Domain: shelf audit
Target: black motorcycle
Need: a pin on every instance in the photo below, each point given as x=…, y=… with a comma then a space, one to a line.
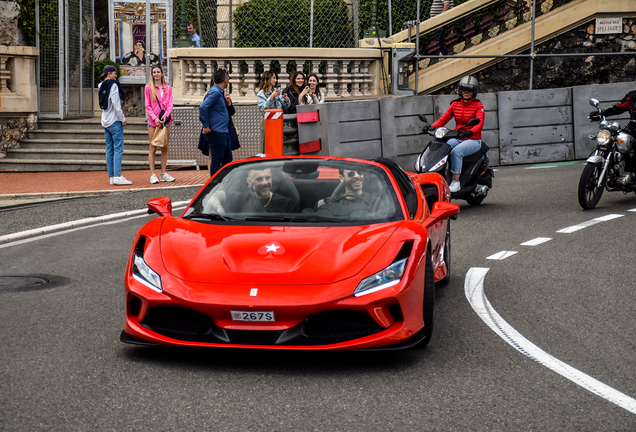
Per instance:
x=612, y=165
x=475, y=178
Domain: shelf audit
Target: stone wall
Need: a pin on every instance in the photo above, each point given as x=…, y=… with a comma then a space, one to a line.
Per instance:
x=133, y=105
x=556, y=72
x=10, y=34
x=13, y=129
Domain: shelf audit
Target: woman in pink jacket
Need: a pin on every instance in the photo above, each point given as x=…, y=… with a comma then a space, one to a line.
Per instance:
x=158, y=97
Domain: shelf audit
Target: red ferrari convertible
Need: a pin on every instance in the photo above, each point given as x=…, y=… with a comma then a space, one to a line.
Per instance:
x=303, y=253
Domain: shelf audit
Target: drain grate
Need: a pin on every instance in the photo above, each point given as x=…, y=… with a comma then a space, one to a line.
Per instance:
x=32, y=282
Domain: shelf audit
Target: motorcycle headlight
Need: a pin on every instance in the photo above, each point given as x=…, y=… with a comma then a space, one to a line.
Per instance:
x=439, y=164
x=144, y=274
x=603, y=137
x=390, y=276
x=440, y=132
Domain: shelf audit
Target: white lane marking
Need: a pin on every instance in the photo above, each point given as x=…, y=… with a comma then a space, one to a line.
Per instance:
x=542, y=167
x=501, y=255
x=67, y=227
x=474, y=291
x=632, y=210
x=536, y=241
x=594, y=221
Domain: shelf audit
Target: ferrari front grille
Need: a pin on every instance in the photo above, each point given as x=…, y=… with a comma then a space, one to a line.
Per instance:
x=340, y=324
x=177, y=321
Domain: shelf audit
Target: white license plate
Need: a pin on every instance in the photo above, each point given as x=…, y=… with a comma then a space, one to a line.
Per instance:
x=252, y=316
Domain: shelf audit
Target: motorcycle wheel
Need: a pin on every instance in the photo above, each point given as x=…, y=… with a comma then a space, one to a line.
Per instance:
x=447, y=256
x=589, y=193
x=475, y=201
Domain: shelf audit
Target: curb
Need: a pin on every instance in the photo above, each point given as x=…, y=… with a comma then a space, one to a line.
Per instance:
x=83, y=193
x=76, y=224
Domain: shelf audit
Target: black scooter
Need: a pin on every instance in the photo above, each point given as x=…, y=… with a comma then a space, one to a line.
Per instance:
x=475, y=178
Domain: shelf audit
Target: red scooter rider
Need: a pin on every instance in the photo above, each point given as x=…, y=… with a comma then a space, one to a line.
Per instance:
x=463, y=109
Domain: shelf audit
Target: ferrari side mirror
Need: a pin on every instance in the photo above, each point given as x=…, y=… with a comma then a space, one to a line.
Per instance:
x=161, y=206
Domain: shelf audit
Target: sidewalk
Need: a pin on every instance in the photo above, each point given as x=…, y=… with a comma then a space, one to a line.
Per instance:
x=65, y=184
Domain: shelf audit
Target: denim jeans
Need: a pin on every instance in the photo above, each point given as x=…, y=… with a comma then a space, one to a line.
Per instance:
x=114, y=148
x=459, y=150
x=220, y=150
x=440, y=36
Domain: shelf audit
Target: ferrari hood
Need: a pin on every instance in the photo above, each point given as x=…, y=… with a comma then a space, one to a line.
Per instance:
x=200, y=252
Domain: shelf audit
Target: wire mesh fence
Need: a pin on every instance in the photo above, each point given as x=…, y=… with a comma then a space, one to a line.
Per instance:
x=49, y=39
x=66, y=58
x=296, y=23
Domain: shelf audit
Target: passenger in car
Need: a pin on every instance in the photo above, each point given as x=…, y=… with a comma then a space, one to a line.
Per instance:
x=352, y=201
x=258, y=200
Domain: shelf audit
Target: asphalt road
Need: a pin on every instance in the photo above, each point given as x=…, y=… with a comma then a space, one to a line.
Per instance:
x=62, y=366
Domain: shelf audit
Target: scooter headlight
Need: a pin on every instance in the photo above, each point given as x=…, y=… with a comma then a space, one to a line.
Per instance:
x=440, y=132
x=603, y=137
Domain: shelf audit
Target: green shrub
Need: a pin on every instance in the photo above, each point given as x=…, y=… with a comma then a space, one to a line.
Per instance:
x=285, y=23
x=26, y=20
x=99, y=68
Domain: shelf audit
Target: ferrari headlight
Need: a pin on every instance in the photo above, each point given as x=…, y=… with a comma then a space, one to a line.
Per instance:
x=439, y=164
x=144, y=274
x=386, y=278
x=603, y=137
x=440, y=132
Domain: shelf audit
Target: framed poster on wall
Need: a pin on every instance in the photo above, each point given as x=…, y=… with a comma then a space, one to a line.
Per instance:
x=128, y=37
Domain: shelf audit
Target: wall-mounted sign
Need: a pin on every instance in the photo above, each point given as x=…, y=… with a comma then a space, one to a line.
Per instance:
x=609, y=25
x=128, y=37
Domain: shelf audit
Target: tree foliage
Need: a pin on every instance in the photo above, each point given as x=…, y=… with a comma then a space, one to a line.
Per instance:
x=26, y=20
x=286, y=23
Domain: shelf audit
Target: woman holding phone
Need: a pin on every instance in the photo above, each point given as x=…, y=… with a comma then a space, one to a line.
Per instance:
x=314, y=95
x=296, y=91
x=158, y=98
x=269, y=97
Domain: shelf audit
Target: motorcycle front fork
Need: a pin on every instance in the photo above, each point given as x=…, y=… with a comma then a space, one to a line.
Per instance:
x=605, y=165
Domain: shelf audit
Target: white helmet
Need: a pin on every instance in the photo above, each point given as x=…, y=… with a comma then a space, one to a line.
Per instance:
x=468, y=83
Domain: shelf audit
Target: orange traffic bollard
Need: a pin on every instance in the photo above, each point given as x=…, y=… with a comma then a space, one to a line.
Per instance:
x=273, y=132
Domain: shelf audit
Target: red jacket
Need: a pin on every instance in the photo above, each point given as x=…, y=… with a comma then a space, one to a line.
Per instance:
x=463, y=112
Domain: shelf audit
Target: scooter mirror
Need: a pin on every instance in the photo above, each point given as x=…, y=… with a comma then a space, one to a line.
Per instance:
x=422, y=118
x=594, y=102
x=473, y=122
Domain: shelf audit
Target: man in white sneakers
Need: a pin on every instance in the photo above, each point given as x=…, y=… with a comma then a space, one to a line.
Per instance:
x=113, y=122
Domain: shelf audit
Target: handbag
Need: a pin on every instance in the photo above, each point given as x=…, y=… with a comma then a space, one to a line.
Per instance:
x=160, y=138
x=162, y=112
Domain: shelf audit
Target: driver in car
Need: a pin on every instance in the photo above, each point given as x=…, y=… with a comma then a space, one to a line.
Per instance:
x=354, y=199
x=260, y=199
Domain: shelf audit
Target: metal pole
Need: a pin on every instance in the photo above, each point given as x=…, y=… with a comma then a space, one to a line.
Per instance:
x=64, y=58
x=231, y=23
x=532, y=44
x=311, y=25
x=417, y=49
x=199, y=19
x=356, y=22
x=390, y=19
x=37, y=45
x=81, y=60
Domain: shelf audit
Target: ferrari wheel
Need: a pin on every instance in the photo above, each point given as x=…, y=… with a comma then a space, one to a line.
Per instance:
x=589, y=191
x=429, y=301
x=447, y=256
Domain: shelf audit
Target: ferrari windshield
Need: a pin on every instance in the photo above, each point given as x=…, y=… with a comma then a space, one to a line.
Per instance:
x=298, y=191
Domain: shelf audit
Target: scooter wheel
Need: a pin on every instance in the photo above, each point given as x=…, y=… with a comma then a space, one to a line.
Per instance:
x=475, y=201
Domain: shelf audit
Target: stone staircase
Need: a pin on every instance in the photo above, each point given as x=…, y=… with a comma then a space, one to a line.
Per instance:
x=76, y=145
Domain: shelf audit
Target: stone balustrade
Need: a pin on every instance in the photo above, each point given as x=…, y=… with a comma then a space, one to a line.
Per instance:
x=18, y=86
x=347, y=72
